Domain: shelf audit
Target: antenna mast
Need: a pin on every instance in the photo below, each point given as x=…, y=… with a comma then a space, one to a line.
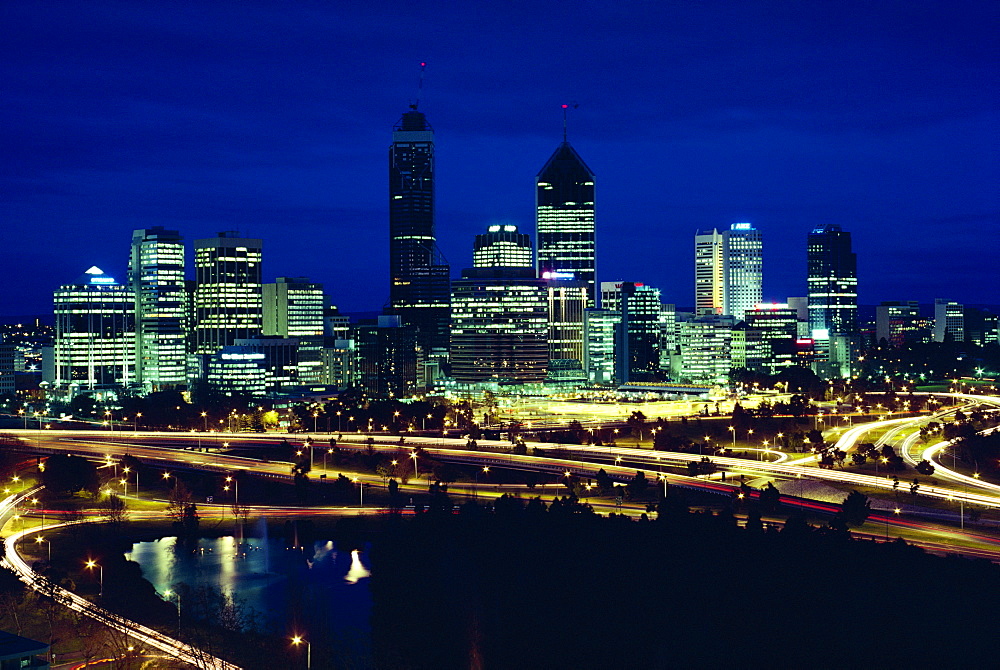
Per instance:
x=420, y=87
x=565, y=109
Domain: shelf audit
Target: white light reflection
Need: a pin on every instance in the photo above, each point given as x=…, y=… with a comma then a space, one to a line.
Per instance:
x=357, y=571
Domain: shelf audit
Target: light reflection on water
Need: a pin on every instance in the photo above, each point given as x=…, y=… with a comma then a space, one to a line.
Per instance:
x=318, y=585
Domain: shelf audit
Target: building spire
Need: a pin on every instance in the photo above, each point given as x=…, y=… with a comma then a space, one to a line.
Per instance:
x=420, y=87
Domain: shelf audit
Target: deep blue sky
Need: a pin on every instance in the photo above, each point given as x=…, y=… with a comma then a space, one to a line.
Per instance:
x=274, y=118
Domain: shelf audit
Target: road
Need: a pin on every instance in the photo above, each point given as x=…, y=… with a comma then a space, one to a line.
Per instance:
x=143, y=634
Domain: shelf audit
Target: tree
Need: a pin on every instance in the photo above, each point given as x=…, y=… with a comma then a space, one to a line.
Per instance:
x=604, y=482
x=178, y=500
x=113, y=510
x=638, y=485
x=855, y=508
x=770, y=498
x=67, y=473
x=924, y=467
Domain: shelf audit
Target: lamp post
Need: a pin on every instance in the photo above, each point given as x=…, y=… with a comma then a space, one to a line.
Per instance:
x=41, y=539
x=361, y=488
x=135, y=423
x=315, y=419
x=91, y=564
x=297, y=640
x=236, y=488
x=413, y=455
x=733, y=431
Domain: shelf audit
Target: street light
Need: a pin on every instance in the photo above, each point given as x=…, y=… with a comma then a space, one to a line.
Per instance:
x=413, y=455
x=135, y=423
x=91, y=564
x=236, y=486
x=361, y=487
x=297, y=640
x=41, y=539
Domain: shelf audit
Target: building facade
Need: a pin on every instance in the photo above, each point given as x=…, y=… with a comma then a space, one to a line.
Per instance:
x=502, y=246
x=94, y=344
x=728, y=270
x=565, y=221
x=949, y=321
x=499, y=330
x=832, y=281
x=156, y=277
x=228, y=301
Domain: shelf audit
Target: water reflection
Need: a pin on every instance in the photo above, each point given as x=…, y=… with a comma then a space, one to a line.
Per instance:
x=317, y=585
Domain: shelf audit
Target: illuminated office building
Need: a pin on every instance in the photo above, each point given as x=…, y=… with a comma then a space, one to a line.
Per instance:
x=637, y=345
x=899, y=323
x=420, y=281
x=156, y=275
x=565, y=220
x=94, y=344
x=949, y=321
x=832, y=282
x=728, y=270
x=708, y=275
x=386, y=357
x=772, y=330
x=294, y=308
x=502, y=246
x=499, y=327
x=228, y=295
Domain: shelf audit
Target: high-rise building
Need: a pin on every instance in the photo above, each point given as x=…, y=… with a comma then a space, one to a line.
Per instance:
x=898, y=323
x=600, y=328
x=704, y=349
x=949, y=321
x=502, y=246
x=772, y=329
x=228, y=295
x=294, y=307
x=565, y=220
x=386, y=357
x=743, y=269
x=420, y=279
x=94, y=344
x=637, y=344
x=156, y=275
x=832, y=282
x=728, y=269
x=567, y=301
x=499, y=327
x=708, y=272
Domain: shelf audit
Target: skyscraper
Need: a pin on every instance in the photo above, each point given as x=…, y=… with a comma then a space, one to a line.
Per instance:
x=832, y=282
x=156, y=275
x=564, y=219
x=728, y=270
x=743, y=269
x=708, y=274
x=420, y=282
x=227, y=296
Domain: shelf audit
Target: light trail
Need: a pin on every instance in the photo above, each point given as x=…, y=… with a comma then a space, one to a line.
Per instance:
x=168, y=645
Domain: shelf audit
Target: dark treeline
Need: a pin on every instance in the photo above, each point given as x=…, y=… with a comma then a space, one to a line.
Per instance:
x=530, y=587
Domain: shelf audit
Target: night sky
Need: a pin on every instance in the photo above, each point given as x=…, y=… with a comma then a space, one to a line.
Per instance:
x=274, y=119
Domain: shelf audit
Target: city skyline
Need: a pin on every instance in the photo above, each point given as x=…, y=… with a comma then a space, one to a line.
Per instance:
x=201, y=122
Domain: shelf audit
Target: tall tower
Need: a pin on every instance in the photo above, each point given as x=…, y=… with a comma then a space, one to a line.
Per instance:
x=420, y=281
x=708, y=272
x=743, y=269
x=565, y=221
x=728, y=270
x=227, y=296
x=832, y=281
x=156, y=275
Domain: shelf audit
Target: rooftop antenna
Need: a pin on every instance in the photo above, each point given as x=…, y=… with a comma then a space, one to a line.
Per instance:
x=420, y=87
x=565, y=108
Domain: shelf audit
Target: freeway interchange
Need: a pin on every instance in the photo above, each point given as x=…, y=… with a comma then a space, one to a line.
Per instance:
x=172, y=451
